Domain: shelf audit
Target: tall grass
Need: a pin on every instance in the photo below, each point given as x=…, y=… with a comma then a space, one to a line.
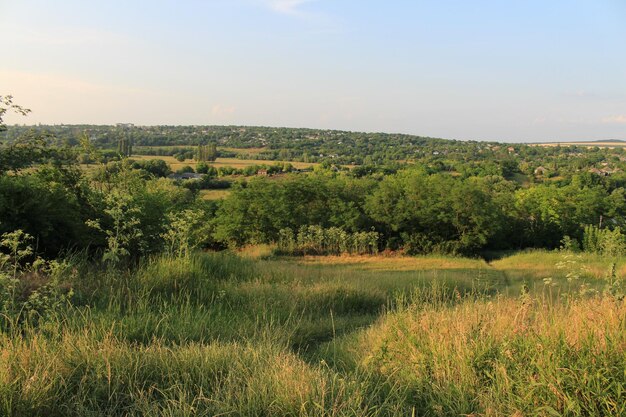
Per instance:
x=219, y=334
x=74, y=375
x=499, y=357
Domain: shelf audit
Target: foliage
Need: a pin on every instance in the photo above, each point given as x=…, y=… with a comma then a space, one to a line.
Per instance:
x=206, y=152
x=50, y=206
x=421, y=195
x=124, y=230
x=185, y=232
x=316, y=240
x=551, y=212
x=29, y=289
x=125, y=146
x=155, y=167
x=33, y=149
x=255, y=212
x=569, y=245
x=604, y=241
x=165, y=329
x=435, y=211
x=615, y=284
x=6, y=105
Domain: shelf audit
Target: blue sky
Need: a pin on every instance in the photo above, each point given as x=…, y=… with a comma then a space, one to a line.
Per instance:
x=485, y=70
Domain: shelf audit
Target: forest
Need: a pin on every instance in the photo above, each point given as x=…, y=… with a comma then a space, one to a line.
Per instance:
x=338, y=273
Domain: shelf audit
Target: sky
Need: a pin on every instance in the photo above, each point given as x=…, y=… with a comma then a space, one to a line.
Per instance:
x=504, y=70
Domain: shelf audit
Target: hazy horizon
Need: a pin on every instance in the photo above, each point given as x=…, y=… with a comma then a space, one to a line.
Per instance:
x=581, y=140
x=531, y=72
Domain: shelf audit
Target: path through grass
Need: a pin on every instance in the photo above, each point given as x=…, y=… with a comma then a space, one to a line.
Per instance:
x=222, y=334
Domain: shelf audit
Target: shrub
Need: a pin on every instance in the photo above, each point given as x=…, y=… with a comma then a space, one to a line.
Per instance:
x=604, y=241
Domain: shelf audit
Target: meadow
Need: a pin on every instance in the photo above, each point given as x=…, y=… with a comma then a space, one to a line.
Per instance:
x=249, y=334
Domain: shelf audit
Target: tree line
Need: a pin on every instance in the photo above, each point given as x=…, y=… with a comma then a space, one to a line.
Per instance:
x=453, y=203
x=413, y=209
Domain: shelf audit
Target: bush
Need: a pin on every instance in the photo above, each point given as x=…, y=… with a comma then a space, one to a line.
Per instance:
x=604, y=241
x=47, y=210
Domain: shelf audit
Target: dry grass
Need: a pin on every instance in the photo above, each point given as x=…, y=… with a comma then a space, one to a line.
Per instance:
x=216, y=334
x=89, y=168
x=255, y=251
x=396, y=263
x=448, y=330
x=78, y=374
x=501, y=357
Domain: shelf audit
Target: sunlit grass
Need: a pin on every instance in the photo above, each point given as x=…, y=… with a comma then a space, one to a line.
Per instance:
x=542, y=263
x=396, y=263
x=214, y=194
x=250, y=334
x=256, y=251
x=499, y=357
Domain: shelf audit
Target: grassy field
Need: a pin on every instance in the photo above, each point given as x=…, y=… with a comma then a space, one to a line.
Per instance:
x=249, y=151
x=249, y=334
x=214, y=194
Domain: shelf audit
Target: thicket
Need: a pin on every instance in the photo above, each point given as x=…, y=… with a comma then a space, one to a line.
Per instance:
x=420, y=212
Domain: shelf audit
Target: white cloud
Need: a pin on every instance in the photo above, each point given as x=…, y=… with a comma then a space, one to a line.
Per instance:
x=292, y=7
x=616, y=119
